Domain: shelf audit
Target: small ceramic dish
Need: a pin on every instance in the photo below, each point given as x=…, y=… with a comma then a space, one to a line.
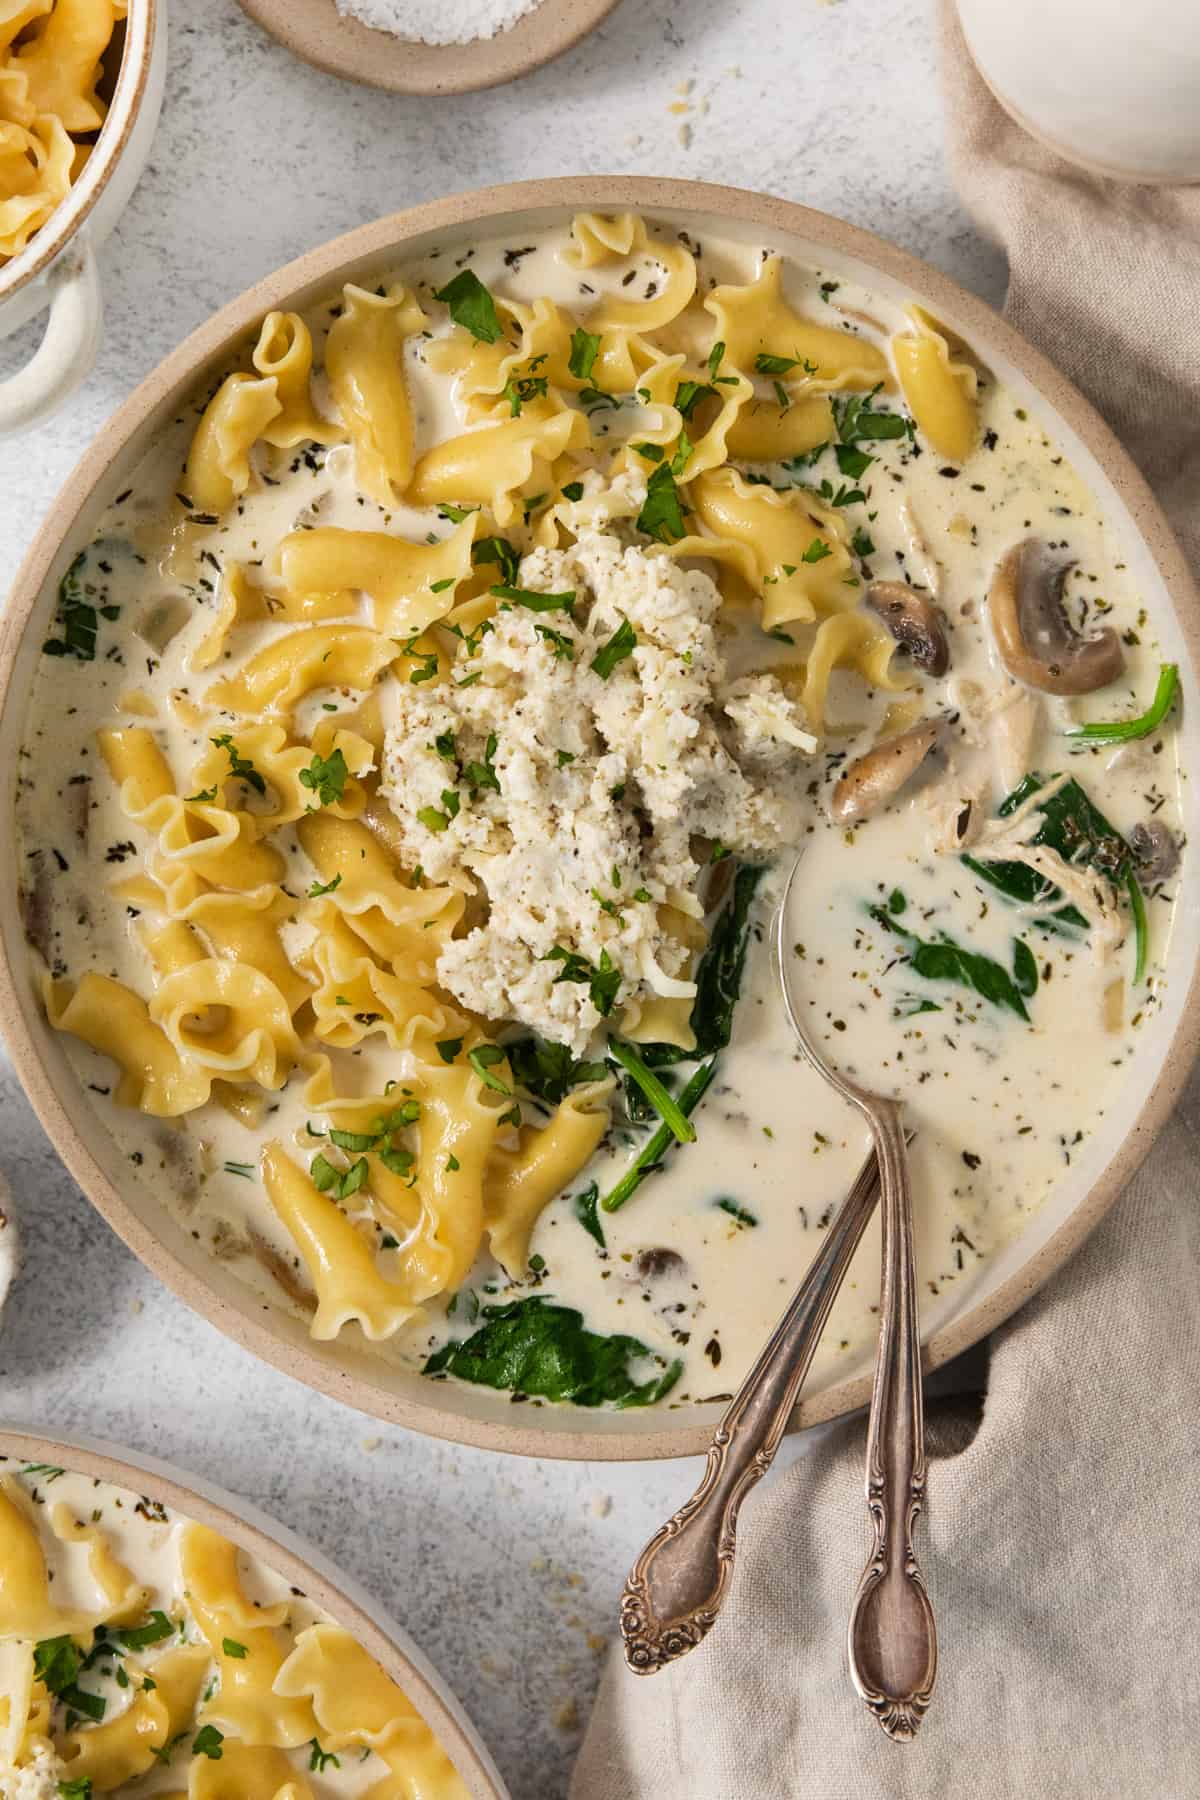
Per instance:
x=318, y=32
x=57, y=268
x=958, y=1317
x=302, y=1567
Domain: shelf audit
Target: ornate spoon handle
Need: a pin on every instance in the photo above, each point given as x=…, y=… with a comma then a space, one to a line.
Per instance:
x=678, y=1583
x=892, y=1640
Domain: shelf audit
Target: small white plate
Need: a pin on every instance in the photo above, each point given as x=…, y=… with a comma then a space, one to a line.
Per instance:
x=318, y=32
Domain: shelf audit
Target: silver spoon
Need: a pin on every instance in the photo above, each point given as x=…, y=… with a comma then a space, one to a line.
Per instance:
x=678, y=1583
x=892, y=1639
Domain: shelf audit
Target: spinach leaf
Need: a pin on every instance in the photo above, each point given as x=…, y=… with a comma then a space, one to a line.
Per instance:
x=1083, y=837
x=79, y=617
x=718, y=978
x=585, y=1205
x=535, y=1346
x=941, y=959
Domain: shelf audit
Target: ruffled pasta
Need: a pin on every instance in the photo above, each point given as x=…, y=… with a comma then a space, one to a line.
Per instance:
x=234, y=1695
x=218, y=465
x=787, y=546
x=941, y=389
x=758, y=320
x=364, y=363
x=498, y=465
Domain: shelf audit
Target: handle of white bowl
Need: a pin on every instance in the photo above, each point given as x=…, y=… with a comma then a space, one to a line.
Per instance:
x=68, y=347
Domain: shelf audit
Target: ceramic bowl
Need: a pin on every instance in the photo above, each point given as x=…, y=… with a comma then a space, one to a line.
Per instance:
x=56, y=271
x=1111, y=87
x=346, y=1602
x=474, y=1415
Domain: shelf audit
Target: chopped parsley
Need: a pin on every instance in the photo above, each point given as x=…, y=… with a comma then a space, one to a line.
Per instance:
x=817, y=551
x=341, y=1183
x=661, y=516
x=620, y=645
x=689, y=394
x=208, y=1741
x=471, y=306
x=318, y=1758
x=240, y=766
x=324, y=887
x=483, y=1059
x=736, y=1212
x=855, y=419
x=537, y=602
x=325, y=776
x=603, y=980
x=573, y=490
x=497, y=550
x=449, y=1048
x=585, y=347
x=231, y=1647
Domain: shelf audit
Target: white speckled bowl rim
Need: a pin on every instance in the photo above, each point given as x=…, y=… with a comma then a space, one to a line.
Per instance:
x=454, y=1410
x=302, y=1566
x=317, y=32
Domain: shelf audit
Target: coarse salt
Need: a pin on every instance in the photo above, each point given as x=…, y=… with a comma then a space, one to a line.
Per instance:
x=435, y=22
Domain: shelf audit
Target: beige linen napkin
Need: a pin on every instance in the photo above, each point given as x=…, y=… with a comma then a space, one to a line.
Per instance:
x=1063, y=1541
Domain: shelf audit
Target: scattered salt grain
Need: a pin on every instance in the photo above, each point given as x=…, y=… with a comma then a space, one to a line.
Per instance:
x=435, y=22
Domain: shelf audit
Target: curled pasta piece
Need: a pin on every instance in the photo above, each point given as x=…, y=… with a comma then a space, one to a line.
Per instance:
x=497, y=465
x=406, y=926
x=245, y=1704
x=852, y=640
x=314, y=656
x=484, y=370
x=245, y=929
x=126, y=1599
x=356, y=1703
x=280, y=763
x=521, y=1183
x=364, y=363
x=788, y=546
x=758, y=320
x=26, y=1609
x=597, y=239
x=410, y=585
x=340, y=1261
x=35, y=174
x=253, y=1037
x=284, y=352
x=156, y=1077
x=62, y=61
x=124, y=1748
x=354, y=997
x=245, y=1772
x=764, y=431
x=941, y=390
x=218, y=465
x=241, y=601
x=16, y=15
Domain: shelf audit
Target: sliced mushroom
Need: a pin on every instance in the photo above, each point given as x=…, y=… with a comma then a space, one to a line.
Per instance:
x=874, y=779
x=1037, y=643
x=917, y=625
x=652, y=1265
x=1155, y=851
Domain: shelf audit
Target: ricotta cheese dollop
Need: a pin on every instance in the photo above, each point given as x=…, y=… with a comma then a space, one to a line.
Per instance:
x=564, y=770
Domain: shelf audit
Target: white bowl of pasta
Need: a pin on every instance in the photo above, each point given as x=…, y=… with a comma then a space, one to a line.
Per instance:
x=81, y=85
x=406, y=703
x=153, y=1620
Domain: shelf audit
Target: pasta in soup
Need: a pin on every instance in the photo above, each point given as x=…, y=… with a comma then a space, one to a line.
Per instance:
x=143, y=1653
x=423, y=739
x=51, y=55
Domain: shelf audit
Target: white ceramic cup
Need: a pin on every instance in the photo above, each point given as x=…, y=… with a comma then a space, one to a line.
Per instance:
x=1110, y=85
x=57, y=268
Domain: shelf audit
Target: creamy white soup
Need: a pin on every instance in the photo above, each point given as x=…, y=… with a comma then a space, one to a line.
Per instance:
x=143, y=1653
x=422, y=746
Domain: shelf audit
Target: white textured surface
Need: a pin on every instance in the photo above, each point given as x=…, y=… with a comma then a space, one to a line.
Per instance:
x=500, y=1568
x=435, y=22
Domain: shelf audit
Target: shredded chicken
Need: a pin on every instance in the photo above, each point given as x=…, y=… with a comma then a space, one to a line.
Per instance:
x=922, y=564
x=1007, y=840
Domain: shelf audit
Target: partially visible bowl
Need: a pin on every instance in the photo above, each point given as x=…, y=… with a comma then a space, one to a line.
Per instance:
x=951, y=1322
x=57, y=268
x=347, y=1603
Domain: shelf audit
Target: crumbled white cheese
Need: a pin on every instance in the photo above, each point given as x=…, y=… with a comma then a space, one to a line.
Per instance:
x=578, y=795
x=36, y=1780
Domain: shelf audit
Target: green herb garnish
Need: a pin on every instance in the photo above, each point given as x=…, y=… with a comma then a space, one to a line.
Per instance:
x=483, y=1059
x=941, y=959
x=240, y=767
x=534, y=601
x=661, y=516
x=603, y=980
x=651, y=1155
x=79, y=617
x=621, y=644
x=584, y=1206
x=585, y=347
x=534, y=1346
x=208, y=1741
x=325, y=777
x=735, y=1211
x=664, y=1103
x=471, y=306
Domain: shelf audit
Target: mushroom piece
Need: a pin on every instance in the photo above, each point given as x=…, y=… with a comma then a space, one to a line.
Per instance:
x=872, y=780
x=1155, y=852
x=917, y=625
x=1037, y=643
x=652, y=1265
